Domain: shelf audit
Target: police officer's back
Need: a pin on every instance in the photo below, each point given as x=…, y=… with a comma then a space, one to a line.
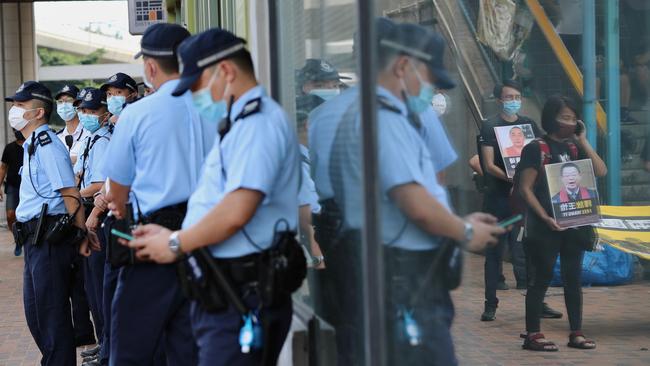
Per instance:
x=160, y=143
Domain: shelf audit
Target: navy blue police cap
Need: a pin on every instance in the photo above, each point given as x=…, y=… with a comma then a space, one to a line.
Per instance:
x=31, y=90
x=425, y=45
x=160, y=40
x=120, y=81
x=200, y=51
x=318, y=70
x=92, y=98
x=67, y=89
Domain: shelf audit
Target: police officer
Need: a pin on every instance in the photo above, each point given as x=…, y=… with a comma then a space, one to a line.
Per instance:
x=415, y=212
x=47, y=193
x=94, y=116
x=248, y=186
x=66, y=109
x=161, y=143
x=319, y=77
x=120, y=89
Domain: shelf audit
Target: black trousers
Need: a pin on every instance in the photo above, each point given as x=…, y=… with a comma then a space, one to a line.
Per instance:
x=542, y=246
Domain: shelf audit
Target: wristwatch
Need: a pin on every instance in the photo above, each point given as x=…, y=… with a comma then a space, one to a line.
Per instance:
x=317, y=260
x=175, y=244
x=469, y=233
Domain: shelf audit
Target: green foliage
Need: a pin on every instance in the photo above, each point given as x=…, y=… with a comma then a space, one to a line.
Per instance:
x=50, y=57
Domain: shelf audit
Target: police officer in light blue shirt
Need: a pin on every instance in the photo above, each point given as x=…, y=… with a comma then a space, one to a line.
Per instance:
x=247, y=193
x=415, y=214
x=47, y=192
x=156, y=154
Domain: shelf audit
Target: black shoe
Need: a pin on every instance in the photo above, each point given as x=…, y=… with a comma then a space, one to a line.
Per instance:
x=92, y=363
x=90, y=352
x=549, y=313
x=18, y=250
x=503, y=286
x=90, y=359
x=489, y=314
x=521, y=286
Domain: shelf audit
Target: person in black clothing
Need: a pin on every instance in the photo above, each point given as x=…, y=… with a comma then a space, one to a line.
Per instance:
x=544, y=238
x=12, y=160
x=498, y=187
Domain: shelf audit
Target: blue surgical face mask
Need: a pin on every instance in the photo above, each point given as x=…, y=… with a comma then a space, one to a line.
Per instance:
x=511, y=107
x=90, y=122
x=210, y=110
x=116, y=104
x=66, y=111
x=326, y=94
x=419, y=103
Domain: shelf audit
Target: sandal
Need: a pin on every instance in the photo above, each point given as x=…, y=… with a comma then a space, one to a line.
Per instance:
x=537, y=342
x=584, y=344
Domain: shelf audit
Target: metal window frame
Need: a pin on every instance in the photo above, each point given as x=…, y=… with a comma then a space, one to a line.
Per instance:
x=372, y=269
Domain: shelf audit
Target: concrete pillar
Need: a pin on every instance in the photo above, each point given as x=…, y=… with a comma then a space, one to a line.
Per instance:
x=17, y=54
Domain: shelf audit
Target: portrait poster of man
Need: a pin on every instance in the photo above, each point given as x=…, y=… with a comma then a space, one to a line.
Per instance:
x=512, y=140
x=574, y=196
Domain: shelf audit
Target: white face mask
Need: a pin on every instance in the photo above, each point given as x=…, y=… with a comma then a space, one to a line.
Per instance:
x=16, y=119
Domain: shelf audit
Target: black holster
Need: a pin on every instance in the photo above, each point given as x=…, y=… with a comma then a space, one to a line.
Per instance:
x=274, y=274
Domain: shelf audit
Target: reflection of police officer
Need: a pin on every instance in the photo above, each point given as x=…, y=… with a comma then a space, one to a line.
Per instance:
x=247, y=190
x=320, y=78
x=339, y=294
x=414, y=210
x=160, y=142
x=47, y=192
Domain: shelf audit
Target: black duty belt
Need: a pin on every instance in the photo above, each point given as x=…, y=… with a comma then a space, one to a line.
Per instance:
x=29, y=227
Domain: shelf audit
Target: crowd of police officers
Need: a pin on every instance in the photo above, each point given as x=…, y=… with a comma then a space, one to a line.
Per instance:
x=183, y=206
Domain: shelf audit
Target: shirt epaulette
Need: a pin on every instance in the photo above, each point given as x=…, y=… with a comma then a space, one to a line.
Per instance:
x=43, y=138
x=252, y=106
x=385, y=104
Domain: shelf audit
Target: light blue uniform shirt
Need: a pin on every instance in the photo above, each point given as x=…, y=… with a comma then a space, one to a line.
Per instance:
x=50, y=170
x=403, y=158
x=158, y=147
x=323, y=122
x=92, y=163
x=307, y=194
x=436, y=138
x=259, y=153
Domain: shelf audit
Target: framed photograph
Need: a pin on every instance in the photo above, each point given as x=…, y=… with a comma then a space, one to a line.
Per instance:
x=511, y=140
x=573, y=192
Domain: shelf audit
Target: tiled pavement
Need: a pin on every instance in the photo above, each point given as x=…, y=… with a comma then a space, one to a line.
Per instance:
x=618, y=318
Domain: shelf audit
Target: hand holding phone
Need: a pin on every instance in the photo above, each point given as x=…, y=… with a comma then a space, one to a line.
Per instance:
x=509, y=221
x=122, y=235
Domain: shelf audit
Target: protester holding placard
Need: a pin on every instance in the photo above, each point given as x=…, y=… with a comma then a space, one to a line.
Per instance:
x=498, y=186
x=545, y=238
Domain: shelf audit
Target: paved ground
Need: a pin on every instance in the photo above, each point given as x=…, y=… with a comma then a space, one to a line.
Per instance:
x=618, y=318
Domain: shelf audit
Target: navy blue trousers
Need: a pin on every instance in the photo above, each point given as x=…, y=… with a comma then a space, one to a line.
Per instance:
x=84, y=332
x=94, y=283
x=109, y=285
x=217, y=334
x=406, y=275
x=150, y=314
x=46, y=293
